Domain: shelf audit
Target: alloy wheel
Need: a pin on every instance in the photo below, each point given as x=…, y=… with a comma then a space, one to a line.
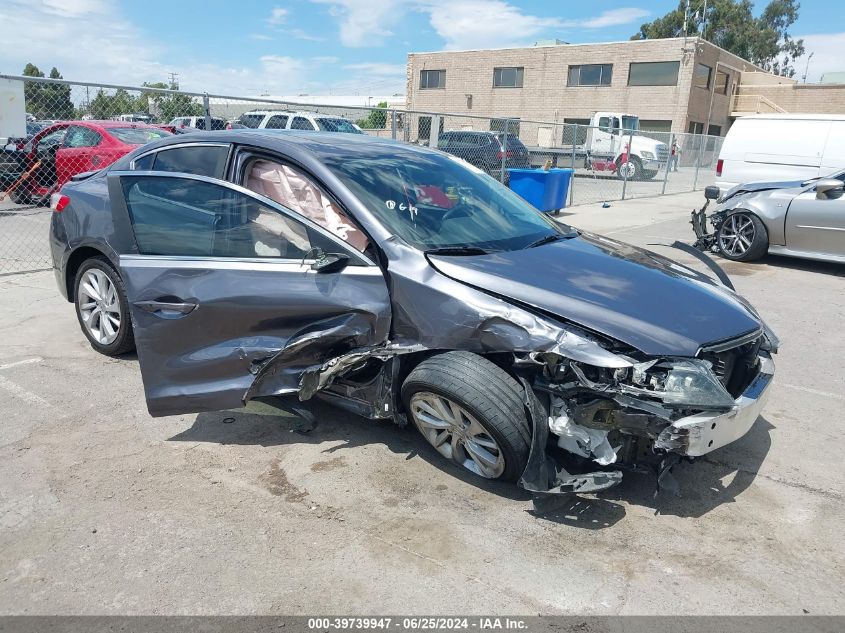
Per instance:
x=736, y=235
x=456, y=434
x=99, y=306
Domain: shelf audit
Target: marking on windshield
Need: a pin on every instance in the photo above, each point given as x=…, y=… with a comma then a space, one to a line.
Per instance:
x=390, y=204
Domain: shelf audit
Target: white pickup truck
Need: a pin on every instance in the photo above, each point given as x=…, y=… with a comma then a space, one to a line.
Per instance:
x=604, y=148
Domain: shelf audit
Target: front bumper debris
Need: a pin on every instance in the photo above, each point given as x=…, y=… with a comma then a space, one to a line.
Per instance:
x=702, y=433
x=645, y=436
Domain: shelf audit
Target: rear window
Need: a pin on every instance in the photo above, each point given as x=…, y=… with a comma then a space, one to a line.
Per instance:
x=337, y=125
x=251, y=120
x=136, y=135
x=513, y=141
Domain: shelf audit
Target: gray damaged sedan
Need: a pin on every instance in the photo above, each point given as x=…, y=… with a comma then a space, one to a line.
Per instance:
x=400, y=283
x=797, y=219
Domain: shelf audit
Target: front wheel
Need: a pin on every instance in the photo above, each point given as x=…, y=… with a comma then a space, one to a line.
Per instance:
x=471, y=411
x=742, y=237
x=631, y=169
x=102, y=308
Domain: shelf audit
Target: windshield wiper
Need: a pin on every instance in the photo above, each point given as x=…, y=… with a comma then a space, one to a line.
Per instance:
x=458, y=250
x=554, y=237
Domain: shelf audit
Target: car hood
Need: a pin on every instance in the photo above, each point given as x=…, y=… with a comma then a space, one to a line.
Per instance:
x=751, y=187
x=627, y=293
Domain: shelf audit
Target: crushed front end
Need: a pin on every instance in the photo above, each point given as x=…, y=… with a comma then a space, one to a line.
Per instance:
x=645, y=417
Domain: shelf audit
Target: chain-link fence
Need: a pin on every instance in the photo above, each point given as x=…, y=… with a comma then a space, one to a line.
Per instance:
x=75, y=127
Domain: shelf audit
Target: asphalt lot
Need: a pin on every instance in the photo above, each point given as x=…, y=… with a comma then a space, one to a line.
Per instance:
x=104, y=510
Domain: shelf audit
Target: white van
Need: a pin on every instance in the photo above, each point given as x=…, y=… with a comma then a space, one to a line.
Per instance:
x=781, y=147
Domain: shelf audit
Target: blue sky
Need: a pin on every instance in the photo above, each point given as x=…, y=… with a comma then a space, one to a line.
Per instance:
x=319, y=46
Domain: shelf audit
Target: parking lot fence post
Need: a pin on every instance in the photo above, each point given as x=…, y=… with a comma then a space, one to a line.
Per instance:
x=206, y=108
x=393, y=124
x=574, y=139
x=669, y=159
x=700, y=140
x=504, y=150
x=627, y=153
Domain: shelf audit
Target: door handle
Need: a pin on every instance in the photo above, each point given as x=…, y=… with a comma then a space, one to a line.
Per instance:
x=165, y=306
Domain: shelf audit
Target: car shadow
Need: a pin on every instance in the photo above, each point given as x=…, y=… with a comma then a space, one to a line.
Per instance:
x=246, y=428
x=707, y=483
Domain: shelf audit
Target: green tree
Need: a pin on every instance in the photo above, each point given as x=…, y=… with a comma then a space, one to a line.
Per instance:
x=47, y=101
x=375, y=120
x=169, y=106
x=730, y=24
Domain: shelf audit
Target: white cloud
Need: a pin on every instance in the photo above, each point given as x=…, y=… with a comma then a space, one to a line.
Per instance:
x=364, y=22
x=278, y=15
x=378, y=68
x=71, y=8
x=467, y=24
x=259, y=36
x=325, y=59
x=614, y=17
x=827, y=55
x=299, y=34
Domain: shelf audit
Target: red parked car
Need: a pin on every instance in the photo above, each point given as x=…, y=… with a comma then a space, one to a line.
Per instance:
x=65, y=149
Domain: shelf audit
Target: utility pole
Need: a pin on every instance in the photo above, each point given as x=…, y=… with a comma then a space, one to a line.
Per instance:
x=174, y=81
x=807, y=68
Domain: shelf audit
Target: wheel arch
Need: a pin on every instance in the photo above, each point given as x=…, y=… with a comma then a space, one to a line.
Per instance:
x=78, y=257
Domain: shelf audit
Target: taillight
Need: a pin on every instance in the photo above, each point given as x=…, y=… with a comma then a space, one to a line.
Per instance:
x=58, y=202
x=719, y=167
x=502, y=155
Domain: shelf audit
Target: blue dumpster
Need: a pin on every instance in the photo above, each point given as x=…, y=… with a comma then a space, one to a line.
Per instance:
x=545, y=190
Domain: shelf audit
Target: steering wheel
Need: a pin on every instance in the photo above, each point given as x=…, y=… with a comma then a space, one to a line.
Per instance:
x=460, y=210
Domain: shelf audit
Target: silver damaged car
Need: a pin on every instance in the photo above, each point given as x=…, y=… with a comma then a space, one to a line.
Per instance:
x=797, y=219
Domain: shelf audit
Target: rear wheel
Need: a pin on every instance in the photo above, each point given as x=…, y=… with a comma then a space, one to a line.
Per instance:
x=102, y=308
x=742, y=237
x=471, y=411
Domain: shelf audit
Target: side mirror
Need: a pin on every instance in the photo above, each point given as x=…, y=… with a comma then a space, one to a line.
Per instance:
x=330, y=263
x=28, y=147
x=711, y=192
x=827, y=186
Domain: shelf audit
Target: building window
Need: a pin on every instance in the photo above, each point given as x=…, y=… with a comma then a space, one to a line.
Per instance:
x=424, y=127
x=508, y=77
x=714, y=130
x=498, y=125
x=655, y=125
x=695, y=128
x=432, y=79
x=701, y=78
x=590, y=75
x=575, y=131
x=653, y=73
x=723, y=82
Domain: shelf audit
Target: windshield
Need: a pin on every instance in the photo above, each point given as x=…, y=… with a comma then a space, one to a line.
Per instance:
x=251, y=120
x=136, y=135
x=631, y=123
x=337, y=125
x=433, y=201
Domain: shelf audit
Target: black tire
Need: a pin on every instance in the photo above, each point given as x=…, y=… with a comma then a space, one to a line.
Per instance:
x=649, y=175
x=755, y=233
x=125, y=340
x=635, y=165
x=487, y=393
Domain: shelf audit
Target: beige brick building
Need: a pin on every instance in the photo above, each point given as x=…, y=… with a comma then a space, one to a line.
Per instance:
x=677, y=85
